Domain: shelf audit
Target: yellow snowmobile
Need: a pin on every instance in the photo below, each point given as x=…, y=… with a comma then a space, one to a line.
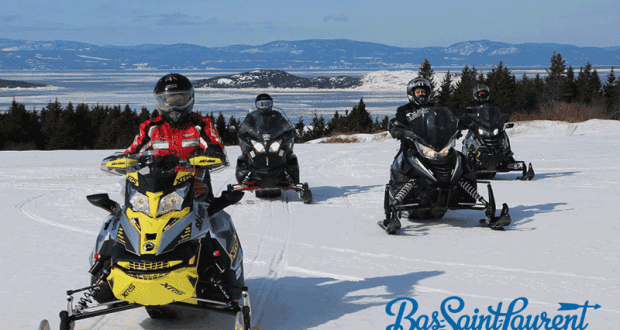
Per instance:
x=165, y=247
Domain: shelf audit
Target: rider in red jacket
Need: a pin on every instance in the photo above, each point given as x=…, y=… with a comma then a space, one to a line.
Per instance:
x=179, y=130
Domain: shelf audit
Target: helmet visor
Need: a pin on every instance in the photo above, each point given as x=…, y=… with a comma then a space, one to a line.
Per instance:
x=264, y=104
x=411, y=89
x=173, y=101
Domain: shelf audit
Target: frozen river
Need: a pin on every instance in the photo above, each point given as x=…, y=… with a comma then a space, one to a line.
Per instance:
x=135, y=88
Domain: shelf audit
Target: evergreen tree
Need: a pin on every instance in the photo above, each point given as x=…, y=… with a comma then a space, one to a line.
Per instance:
x=595, y=85
x=109, y=130
x=384, y=123
x=569, y=90
x=19, y=128
x=525, y=97
x=96, y=117
x=427, y=72
x=318, y=127
x=611, y=92
x=464, y=88
x=582, y=84
x=220, y=126
x=502, y=84
x=336, y=124
x=51, y=126
x=144, y=115
x=359, y=120
x=538, y=87
x=555, y=80
x=83, y=132
x=446, y=91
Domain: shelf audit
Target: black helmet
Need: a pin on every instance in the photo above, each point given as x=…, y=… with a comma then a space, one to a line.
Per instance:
x=481, y=93
x=263, y=102
x=174, y=95
x=419, y=83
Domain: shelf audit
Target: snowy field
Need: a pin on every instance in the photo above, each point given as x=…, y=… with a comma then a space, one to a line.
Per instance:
x=328, y=265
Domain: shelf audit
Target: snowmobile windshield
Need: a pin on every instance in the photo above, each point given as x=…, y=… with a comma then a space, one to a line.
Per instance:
x=490, y=117
x=272, y=123
x=436, y=128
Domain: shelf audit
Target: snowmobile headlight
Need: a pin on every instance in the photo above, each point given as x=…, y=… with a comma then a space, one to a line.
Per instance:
x=495, y=131
x=445, y=151
x=172, y=201
x=431, y=153
x=483, y=132
x=139, y=202
x=428, y=152
x=274, y=147
x=259, y=147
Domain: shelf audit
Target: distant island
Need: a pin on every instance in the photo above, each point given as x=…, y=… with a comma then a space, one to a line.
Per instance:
x=276, y=79
x=18, y=84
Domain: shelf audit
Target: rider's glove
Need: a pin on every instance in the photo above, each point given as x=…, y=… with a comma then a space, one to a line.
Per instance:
x=214, y=150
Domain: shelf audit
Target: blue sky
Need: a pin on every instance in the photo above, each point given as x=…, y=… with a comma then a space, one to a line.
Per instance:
x=403, y=23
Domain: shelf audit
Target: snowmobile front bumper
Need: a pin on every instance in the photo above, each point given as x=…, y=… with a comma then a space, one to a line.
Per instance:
x=302, y=189
x=156, y=287
x=492, y=221
x=83, y=309
x=528, y=172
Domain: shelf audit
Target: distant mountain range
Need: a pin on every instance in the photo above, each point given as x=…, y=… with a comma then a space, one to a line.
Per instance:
x=318, y=54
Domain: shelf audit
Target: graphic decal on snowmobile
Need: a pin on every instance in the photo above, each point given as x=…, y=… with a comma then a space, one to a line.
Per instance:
x=234, y=249
x=173, y=289
x=129, y=290
x=120, y=237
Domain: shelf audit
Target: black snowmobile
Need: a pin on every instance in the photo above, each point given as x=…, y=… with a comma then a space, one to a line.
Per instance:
x=430, y=177
x=267, y=164
x=487, y=147
x=163, y=249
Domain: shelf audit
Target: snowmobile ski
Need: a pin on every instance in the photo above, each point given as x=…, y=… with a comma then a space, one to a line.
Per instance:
x=44, y=325
x=498, y=223
x=390, y=227
x=305, y=194
x=528, y=173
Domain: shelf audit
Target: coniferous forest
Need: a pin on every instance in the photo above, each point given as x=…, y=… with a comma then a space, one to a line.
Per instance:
x=563, y=94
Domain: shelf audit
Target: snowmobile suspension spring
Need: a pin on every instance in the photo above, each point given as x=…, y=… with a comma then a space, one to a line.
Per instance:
x=472, y=191
x=84, y=301
x=289, y=178
x=404, y=191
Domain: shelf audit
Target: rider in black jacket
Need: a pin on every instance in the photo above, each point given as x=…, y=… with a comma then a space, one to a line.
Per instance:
x=419, y=92
x=481, y=94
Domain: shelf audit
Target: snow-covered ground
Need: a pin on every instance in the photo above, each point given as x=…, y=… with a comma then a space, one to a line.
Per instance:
x=328, y=265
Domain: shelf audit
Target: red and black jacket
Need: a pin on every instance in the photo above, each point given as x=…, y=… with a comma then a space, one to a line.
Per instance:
x=196, y=134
